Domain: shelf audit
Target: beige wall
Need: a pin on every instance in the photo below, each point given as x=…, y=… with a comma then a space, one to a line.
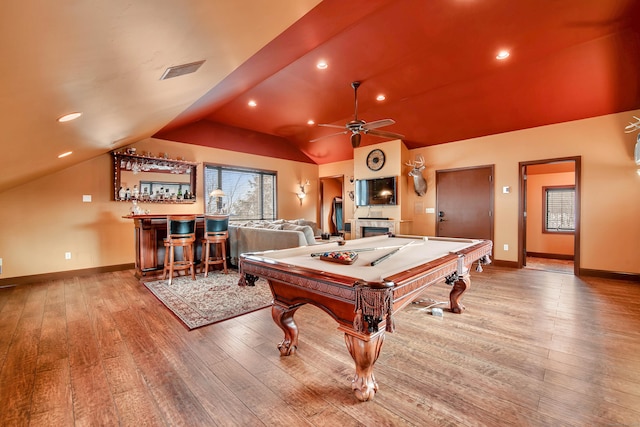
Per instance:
x=610, y=205
x=395, y=156
x=45, y=218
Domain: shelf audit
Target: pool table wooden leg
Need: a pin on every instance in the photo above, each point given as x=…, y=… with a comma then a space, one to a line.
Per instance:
x=460, y=286
x=283, y=316
x=365, y=351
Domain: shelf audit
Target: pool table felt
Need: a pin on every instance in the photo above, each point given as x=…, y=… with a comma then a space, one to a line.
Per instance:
x=421, y=250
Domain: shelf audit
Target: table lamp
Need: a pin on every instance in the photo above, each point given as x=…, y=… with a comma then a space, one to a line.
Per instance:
x=217, y=195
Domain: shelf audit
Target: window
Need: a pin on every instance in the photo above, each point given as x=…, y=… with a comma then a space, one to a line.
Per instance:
x=249, y=193
x=559, y=208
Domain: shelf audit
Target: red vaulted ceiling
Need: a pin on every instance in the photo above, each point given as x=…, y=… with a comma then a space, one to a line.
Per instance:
x=435, y=61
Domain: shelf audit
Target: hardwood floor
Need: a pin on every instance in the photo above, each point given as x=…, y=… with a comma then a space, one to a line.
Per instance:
x=534, y=348
x=550, y=264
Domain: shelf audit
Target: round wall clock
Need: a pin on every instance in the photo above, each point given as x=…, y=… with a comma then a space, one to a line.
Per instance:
x=375, y=160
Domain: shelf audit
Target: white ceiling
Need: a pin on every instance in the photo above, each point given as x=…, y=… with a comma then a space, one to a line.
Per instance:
x=105, y=59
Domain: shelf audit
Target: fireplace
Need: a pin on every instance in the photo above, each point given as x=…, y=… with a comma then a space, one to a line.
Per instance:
x=374, y=231
x=373, y=227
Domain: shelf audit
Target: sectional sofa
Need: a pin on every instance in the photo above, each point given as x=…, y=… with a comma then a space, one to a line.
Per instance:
x=256, y=236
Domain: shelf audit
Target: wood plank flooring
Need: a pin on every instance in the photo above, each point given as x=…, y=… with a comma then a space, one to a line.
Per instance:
x=534, y=348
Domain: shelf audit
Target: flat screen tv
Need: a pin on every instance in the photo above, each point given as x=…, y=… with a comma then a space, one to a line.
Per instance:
x=376, y=191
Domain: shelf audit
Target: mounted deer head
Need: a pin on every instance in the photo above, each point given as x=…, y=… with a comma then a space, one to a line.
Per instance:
x=419, y=183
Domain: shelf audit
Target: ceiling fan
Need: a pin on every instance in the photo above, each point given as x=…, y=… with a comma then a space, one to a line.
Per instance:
x=358, y=127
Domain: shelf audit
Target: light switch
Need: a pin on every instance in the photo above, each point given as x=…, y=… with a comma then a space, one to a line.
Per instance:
x=86, y=198
x=506, y=189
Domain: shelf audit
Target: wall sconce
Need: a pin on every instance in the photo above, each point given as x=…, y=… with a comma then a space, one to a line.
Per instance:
x=302, y=193
x=217, y=195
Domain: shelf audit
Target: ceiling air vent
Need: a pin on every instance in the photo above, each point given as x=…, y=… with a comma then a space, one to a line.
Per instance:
x=180, y=70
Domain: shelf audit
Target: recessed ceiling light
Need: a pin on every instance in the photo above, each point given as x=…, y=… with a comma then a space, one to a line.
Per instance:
x=65, y=154
x=69, y=117
x=311, y=122
x=503, y=54
x=321, y=65
x=381, y=97
x=252, y=103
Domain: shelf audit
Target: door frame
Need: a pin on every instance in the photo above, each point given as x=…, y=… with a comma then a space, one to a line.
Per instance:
x=522, y=232
x=491, y=195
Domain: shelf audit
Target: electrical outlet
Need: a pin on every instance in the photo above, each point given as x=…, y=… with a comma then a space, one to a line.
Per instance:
x=67, y=255
x=506, y=247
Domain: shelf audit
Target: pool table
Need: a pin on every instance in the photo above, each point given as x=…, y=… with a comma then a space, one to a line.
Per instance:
x=361, y=283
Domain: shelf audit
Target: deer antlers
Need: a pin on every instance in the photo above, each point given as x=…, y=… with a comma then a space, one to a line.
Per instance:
x=417, y=164
x=633, y=126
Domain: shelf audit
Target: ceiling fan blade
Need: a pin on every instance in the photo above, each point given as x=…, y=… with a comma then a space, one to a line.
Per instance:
x=357, y=127
x=378, y=124
x=331, y=126
x=328, y=136
x=383, y=134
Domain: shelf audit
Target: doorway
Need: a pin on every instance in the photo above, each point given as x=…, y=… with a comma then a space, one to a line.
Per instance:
x=549, y=215
x=330, y=206
x=464, y=203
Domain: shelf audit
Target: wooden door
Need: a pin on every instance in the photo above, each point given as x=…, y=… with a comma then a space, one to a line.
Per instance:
x=464, y=203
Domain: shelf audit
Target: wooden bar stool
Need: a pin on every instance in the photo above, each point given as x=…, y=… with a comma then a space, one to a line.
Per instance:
x=215, y=233
x=181, y=232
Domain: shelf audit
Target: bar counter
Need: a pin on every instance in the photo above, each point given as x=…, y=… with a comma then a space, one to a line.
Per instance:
x=149, y=232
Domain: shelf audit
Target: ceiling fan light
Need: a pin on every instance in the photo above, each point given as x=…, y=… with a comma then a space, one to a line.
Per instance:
x=355, y=140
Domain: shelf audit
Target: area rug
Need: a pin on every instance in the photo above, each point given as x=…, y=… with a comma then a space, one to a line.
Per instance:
x=211, y=299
